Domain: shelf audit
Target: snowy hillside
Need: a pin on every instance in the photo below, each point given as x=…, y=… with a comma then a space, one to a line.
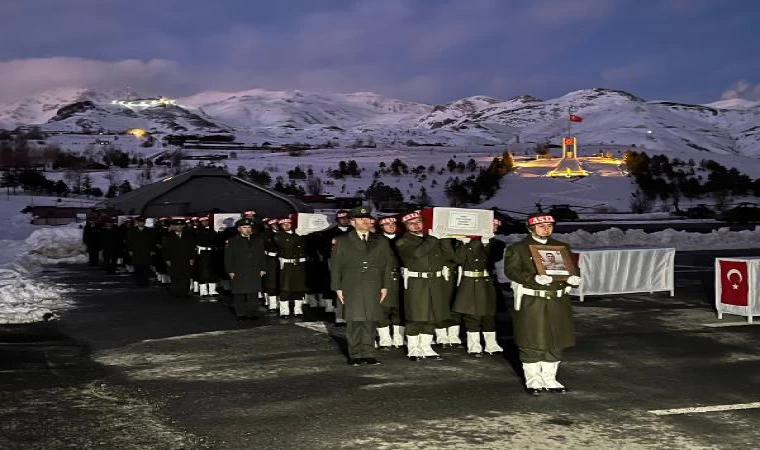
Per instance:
x=610, y=118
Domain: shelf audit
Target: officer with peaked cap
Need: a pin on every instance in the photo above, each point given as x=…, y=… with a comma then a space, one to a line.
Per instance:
x=361, y=269
x=426, y=288
x=244, y=263
x=178, y=250
x=543, y=314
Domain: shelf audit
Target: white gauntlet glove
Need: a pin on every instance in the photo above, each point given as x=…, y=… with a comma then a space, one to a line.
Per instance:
x=464, y=240
x=573, y=280
x=543, y=280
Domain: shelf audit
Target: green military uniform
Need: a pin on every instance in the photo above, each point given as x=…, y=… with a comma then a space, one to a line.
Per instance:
x=140, y=243
x=272, y=267
x=360, y=269
x=178, y=250
x=426, y=291
x=541, y=325
x=292, y=256
x=244, y=256
x=392, y=307
x=476, y=296
x=543, y=315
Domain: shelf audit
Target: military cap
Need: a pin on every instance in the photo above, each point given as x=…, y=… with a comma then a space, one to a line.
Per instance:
x=140, y=219
x=360, y=212
x=389, y=219
x=411, y=216
x=536, y=218
x=249, y=213
x=341, y=213
x=178, y=221
x=243, y=222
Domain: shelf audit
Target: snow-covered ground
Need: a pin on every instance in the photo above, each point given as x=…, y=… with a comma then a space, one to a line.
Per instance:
x=26, y=298
x=26, y=248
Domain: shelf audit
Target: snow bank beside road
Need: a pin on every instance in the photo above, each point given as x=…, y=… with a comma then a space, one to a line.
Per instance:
x=22, y=297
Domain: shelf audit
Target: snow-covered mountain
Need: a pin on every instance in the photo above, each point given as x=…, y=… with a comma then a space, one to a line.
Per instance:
x=610, y=118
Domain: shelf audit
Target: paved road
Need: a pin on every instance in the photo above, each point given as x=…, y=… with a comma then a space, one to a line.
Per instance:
x=134, y=368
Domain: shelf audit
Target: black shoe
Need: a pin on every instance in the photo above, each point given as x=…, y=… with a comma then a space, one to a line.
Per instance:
x=384, y=348
x=414, y=358
x=476, y=355
x=354, y=362
x=535, y=392
x=456, y=345
x=371, y=361
x=561, y=390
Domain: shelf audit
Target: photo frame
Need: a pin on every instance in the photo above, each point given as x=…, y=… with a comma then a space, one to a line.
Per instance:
x=553, y=260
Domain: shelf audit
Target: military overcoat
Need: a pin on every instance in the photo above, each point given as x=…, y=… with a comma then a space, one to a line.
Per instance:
x=291, y=246
x=425, y=299
x=245, y=258
x=541, y=323
x=475, y=296
x=361, y=269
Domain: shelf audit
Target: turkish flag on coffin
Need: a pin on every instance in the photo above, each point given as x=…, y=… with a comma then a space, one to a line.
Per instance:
x=574, y=118
x=734, y=283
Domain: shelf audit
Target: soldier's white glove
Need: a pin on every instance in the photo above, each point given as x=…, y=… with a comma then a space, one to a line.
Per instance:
x=464, y=240
x=446, y=272
x=543, y=280
x=485, y=240
x=573, y=280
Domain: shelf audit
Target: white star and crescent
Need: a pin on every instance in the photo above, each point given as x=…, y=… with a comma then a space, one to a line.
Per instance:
x=728, y=277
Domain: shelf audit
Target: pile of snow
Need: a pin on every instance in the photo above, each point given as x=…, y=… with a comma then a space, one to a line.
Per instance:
x=23, y=298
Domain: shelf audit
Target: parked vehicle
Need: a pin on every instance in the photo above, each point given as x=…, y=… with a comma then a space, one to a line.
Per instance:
x=744, y=213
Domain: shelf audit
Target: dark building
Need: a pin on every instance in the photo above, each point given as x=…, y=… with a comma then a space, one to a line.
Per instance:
x=203, y=190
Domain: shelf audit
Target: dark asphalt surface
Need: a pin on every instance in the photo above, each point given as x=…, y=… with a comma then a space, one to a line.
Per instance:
x=133, y=368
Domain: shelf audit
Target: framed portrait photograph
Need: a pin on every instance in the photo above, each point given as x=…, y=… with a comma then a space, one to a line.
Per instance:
x=553, y=260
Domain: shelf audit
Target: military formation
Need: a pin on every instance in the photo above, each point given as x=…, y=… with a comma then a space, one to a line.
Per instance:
x=392, y=284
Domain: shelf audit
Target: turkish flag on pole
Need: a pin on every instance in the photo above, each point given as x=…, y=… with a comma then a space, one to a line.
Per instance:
x=574, y=118
x=734, y=284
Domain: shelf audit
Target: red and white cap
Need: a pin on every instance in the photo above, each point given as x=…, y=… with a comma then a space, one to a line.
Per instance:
x=273, y=221
x=411, y=216
x=249, y=213
x=340, y=214
x=285, y=220
x=385, y=220
x=535, y=219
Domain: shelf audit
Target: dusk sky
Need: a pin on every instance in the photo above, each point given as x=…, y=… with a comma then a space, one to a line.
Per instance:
x=433, y=51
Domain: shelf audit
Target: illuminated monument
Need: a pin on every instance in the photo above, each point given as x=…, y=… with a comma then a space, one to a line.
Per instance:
x=568, y=166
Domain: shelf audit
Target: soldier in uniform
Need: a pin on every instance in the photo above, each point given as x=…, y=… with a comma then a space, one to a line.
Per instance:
x=109, y=243
x=476, y=295
x=543, y=315
x=271, y=265
x=205, y=239
x=91, y=239
x=244, y=263
x=447, y=332
x=141, y=242
x=291, y=250
x=426, y=287
x=362, y=267
x=159, y=264
x=326, y=237
x=392, y=311
x=178, y=250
